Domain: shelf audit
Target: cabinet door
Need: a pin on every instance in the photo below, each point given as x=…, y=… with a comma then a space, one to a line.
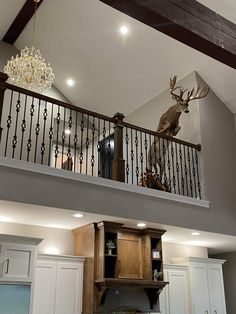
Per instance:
x=178, y=292
x=44, y=288
x=216, y=289
x=164, y=297
x=200, y=293
x=129, y=256
x=17, y=263
x=69, y=285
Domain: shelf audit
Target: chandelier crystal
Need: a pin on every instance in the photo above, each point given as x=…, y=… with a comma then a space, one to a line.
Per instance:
x=29, y=70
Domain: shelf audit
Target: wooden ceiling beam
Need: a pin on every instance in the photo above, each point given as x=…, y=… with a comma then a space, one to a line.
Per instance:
x=20, y=21
x=187, y=21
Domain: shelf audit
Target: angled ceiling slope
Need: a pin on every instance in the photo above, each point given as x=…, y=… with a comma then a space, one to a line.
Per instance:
x=112, y=72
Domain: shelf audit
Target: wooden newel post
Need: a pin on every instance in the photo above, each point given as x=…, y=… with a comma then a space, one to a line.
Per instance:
x=118, y=163
x=3, y=78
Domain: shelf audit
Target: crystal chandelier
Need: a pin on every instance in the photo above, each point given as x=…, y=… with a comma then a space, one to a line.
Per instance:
x=29, y=70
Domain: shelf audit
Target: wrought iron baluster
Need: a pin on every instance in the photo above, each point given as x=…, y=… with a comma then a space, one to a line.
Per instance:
x=81, y=156
x=160, y=159
x=127, y=154
x=37, y=131
x=87, y=144
x=109, y=149
x=164, y=148
x=146, y=151
x=75, y=141
x=141, y=155
x=29, y=142
x=190, y=174
x=43, y=145
x=93, y=139
x=132, y=157
x=137, y=159
x=63, y=138
x=155, y=155
x=173, y=166
x=69, y=155
x=23, y=127
x=194, y=172
x=198, y=176
x=57, y=132
x=186, y=170
x=181, y=169
x=99, y=147
x=169, y=166
x=104, y=147
x=50, y=133
x=177, y=167
x=14, y=140
x=9, y=122
x=150, y=162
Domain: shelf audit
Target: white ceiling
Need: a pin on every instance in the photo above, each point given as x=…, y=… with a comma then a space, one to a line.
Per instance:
x=114, y=72
x=61, y=218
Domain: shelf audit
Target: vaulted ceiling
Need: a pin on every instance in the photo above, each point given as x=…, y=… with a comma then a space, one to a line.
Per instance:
x=113, y=72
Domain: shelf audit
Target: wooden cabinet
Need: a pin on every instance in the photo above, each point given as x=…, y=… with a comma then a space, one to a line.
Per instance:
x=118, y=256
x=17, y=258
x=174, y=297
x=58, y=286
x=205, y=284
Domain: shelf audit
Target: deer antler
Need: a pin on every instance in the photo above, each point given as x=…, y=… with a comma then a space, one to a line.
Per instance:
x=191, y=95
x=173, y=88
x=199, y=93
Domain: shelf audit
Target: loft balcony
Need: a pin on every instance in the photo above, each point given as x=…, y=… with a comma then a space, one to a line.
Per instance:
x=42, y=130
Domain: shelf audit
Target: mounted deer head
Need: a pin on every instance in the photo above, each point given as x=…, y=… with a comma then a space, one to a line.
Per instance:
x=169, y=121
x=190, y=95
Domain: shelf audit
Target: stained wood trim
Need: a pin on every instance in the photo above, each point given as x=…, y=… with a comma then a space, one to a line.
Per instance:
x=20, y=21
x=187, y=21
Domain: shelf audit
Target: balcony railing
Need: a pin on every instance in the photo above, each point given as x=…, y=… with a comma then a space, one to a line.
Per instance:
x=43, y=130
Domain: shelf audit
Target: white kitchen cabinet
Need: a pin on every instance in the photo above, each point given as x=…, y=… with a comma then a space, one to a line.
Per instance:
x=205, y=285
x=174, y=297
x=17, y=258
x=58, y=285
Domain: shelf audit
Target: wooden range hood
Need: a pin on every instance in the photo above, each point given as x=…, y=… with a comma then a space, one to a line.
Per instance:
x=151, y=287
x=130, y=265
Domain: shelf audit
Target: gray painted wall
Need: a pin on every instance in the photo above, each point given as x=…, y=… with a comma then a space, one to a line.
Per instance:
x=218, y=156
x=229, y=271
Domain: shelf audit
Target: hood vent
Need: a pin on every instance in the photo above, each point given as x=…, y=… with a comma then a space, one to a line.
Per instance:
x=123, y=267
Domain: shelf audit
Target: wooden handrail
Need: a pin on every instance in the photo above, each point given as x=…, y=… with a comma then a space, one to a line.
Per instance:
x=160, y=135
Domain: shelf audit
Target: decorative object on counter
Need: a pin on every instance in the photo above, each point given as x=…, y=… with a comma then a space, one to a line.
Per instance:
x=29, y=69
x=156, y=254
x=110, y=245
x=169, y=123
x=156, y=274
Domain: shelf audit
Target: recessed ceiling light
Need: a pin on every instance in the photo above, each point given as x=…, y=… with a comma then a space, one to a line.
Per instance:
x=5, y=219
x=70, y=82
x=141, y=224
x=78, y=215
x=124, y=30
x=195, y=233
x=67, y=131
